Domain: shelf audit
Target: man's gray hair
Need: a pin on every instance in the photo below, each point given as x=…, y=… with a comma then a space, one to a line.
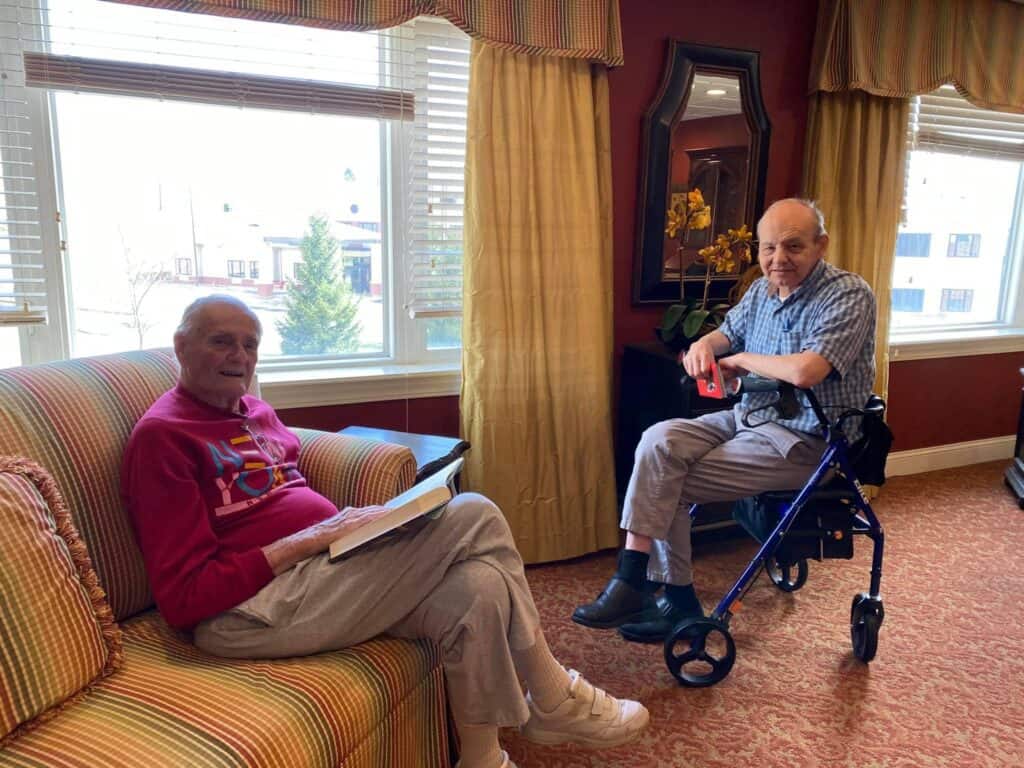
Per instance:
x=190, y=317
x=810, y=205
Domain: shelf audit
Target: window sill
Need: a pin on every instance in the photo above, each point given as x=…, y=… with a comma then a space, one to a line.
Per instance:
x=926, y=346
x=371, y=383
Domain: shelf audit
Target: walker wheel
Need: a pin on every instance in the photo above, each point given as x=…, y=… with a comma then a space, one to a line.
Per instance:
x=699, y=652
x=788, y=578
x=866, y=616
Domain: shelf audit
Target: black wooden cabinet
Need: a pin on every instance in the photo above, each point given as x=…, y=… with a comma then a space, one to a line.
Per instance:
x=649, y=392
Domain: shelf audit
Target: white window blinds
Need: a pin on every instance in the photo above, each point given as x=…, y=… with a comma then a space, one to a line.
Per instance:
x=436, y=155
x=23, y=298
x=944, y=121
x=415, y=75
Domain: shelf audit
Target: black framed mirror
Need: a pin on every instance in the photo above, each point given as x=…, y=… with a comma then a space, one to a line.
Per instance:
x=707, y=128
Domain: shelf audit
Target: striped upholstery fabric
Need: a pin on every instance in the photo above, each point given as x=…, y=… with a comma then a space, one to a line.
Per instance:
x=380, y=704
x=170, y=705
x=334, y=465
x=74, y=418
x=57, y=634
x=900, y=48
x=581, y=29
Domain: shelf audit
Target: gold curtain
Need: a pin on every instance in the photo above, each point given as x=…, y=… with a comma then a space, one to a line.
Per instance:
x=900, y=48
x=582, y=29
x=537, y=314
x=856, y=150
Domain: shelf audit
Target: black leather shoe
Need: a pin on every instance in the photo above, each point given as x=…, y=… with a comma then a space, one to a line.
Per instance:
x=619, y=603
x=657, y=628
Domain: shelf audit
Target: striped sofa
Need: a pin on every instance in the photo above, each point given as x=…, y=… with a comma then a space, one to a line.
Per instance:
x=378, y=705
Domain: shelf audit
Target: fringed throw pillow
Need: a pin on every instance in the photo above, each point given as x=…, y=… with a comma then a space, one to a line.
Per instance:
x=59, y=634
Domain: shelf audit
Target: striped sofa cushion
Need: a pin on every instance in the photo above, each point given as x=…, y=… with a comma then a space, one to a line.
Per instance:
x=353, y=471
x=172, y=705
x=57, y=634
x=74, y=418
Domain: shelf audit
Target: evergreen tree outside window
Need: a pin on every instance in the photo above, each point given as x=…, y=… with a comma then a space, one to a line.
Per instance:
x=321, y=309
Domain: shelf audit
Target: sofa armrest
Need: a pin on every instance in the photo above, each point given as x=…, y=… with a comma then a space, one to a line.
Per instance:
x=353, y=471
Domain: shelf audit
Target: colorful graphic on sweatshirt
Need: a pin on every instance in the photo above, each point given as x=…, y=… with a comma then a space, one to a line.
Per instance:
x=248, y=469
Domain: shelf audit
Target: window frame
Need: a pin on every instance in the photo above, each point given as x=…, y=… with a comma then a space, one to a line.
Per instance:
x=404, y=368
x=1001, y=336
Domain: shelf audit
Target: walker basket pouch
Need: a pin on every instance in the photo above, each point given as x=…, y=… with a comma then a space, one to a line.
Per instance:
x=823, y=529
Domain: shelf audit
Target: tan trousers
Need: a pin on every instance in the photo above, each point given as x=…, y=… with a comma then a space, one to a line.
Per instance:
x=681, y=462
x=457, y=580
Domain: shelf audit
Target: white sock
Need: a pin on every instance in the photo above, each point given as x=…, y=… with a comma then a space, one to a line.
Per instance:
x=478, y=746
x=546, y=679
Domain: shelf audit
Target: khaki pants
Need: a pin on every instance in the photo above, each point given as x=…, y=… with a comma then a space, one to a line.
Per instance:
x=457, y=580
x=681, y=462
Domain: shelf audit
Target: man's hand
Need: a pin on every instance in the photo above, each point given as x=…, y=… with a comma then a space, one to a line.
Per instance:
x=732, y=367
x=698, y=359
x=286, y=552
x=346, y=521
x=701, y=354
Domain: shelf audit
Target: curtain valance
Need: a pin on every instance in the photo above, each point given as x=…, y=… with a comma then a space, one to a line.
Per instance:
x=902, y=48
x=579, y=29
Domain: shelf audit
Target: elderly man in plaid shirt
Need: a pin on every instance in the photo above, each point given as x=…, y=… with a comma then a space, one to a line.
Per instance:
x=805, y=322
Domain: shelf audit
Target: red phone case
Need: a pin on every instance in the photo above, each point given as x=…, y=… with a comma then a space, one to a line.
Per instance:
x=713, y=386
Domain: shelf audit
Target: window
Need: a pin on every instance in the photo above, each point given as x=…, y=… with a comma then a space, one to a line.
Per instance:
x=907, y=299
x=956, y=300
x=913, y=244
x=964, y=190
x=209, y=191
x=964, y=246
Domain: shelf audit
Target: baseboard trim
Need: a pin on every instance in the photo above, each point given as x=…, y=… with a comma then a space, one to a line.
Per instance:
x=951, y=455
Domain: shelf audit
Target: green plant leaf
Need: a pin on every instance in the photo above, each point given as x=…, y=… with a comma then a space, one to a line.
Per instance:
x=693, y=322
x=672, y=317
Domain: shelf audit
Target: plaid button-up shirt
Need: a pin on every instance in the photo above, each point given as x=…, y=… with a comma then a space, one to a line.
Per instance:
x=832, y=312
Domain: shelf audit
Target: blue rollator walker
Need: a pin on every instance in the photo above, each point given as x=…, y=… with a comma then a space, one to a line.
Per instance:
x=818, y=521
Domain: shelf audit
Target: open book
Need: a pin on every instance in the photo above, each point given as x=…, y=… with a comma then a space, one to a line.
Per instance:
x=429, y=495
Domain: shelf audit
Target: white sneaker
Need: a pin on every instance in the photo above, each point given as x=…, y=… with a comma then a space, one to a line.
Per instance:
x=505, y=762
x=589, y=717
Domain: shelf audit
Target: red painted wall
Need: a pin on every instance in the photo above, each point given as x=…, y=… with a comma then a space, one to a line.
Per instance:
x=425, y=415
x=935, y=402
x=727, y=131
x=782, y=32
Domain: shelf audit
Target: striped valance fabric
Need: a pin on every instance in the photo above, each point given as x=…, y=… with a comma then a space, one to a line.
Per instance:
x=902, y=48
x=171, y=705
x=57, y=634
x=581, y=29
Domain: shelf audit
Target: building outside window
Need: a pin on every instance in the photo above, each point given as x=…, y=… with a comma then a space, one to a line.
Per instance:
x=907, y=300
x=236, y=268
x=956, y=299
x=254, y=270
x=964, y=246
x=913, y=244
x=183, y=266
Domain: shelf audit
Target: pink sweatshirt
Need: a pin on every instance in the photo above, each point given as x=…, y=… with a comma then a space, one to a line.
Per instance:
x=206, y=490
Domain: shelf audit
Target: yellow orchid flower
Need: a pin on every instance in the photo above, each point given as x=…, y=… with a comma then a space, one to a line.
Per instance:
x=676, y=219
x=695, y=200
x=701, y=219
x=742, y=234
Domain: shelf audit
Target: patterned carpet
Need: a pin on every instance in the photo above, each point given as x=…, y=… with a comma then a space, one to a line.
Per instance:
x=947, y=686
